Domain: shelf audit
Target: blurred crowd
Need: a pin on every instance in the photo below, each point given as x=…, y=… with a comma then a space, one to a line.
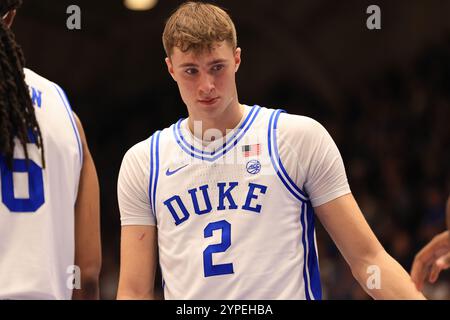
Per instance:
x=395, y=139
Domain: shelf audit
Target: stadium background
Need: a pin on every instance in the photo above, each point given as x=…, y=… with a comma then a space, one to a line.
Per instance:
x=383, y=95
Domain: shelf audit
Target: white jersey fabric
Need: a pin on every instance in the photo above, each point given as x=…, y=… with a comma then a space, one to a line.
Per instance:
x=37, y=204
x=235, y=218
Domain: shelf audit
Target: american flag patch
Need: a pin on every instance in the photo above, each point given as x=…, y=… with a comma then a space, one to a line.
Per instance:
x=251, y=150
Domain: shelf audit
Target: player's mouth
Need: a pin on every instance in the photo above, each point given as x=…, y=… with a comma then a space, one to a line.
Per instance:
x=209, y=102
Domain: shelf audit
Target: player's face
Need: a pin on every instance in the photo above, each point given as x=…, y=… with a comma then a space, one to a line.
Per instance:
x=206, y=80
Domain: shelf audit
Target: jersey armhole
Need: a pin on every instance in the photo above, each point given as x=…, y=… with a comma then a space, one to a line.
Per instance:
x=278, y=166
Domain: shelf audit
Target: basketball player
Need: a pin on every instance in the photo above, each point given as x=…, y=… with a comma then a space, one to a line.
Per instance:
x=434, y=257
x=227, y=198
x=49, y=203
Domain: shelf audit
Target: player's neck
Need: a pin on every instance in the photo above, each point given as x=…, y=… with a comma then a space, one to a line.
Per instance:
x=224, y=122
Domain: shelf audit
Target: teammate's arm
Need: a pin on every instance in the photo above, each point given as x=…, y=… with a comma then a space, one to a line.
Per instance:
x=138, y=256
x=433, y=258
x=87, y=226
x=347, y=226
x=448, y=213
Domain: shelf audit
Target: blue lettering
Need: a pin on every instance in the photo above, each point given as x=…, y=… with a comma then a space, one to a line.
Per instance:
x=36, y=97
x=226, y=194
x=193, y=193
x=251, y=195
x=169, y=205
x=180, y=213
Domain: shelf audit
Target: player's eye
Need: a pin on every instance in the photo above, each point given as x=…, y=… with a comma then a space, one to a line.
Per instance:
x=191, y=71
x=217, y=67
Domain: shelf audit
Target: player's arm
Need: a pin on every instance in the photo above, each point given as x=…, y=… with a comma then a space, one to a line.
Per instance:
x=347, y=226
x=433, y=258
x=138, y=256
x=87, y=226
x=138, y=248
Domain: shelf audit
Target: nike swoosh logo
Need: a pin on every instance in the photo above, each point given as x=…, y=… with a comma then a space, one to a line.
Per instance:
x=169, y=173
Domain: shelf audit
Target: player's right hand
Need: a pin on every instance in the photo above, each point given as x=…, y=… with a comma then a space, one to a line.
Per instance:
x=431, y=260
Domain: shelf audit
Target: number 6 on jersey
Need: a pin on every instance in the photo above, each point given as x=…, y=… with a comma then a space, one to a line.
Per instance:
x=35, y=186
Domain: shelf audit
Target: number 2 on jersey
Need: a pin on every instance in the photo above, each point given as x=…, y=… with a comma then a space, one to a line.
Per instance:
x=35, y=186
x=211, y=269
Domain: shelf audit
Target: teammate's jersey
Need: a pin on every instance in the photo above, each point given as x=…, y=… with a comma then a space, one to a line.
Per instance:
x=37, y=205
x=234, y=218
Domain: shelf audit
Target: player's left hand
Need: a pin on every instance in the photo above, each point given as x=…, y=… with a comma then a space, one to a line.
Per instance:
x=431, y=260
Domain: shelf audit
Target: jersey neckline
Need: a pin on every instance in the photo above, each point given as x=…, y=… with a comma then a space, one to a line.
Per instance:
x=236, y=135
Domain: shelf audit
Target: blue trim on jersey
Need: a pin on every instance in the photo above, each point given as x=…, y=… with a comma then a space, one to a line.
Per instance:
x=275, y=159
x=150, y=181
x=66, y=103
x=279, y=160
x=305, y=256
x=311, y=275
x=313, y=262
x=212, y=153
x=156, y=171
x=229, y=146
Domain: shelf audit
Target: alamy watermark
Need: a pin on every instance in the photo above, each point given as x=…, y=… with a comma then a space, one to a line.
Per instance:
x=373, y=22
x=73, y=22
x=74, y=278
x=374, y=279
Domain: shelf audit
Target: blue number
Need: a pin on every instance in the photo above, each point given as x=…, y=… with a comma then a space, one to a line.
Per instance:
x=209, y=268
x=35, y=186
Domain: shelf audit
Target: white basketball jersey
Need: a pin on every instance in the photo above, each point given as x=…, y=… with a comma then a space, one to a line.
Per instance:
x=37, y=204
x=231, y=223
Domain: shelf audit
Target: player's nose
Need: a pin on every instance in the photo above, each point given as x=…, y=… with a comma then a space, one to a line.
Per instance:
x=206, y=85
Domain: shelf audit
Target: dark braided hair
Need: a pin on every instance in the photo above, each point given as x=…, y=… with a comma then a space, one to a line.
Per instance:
x=17, y=117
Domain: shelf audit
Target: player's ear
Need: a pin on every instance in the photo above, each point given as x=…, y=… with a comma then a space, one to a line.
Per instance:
x=237, y=58
x=170, y=68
